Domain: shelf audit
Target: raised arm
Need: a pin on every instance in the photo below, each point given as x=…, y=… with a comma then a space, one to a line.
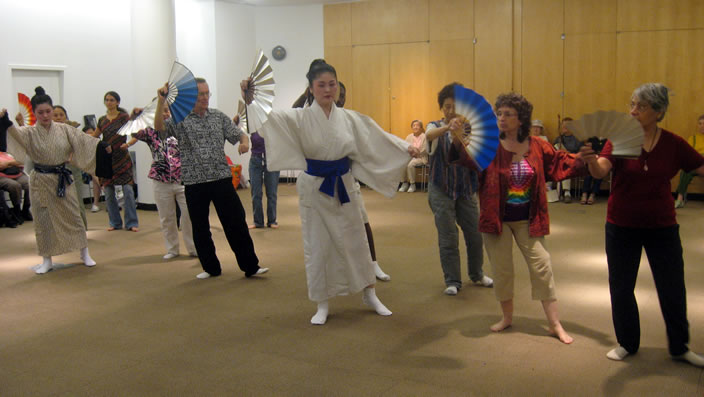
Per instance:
x=435, y=133
x=159, y=115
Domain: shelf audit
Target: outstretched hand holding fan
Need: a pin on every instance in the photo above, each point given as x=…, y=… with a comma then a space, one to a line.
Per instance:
x=624, y=132
x=483, y=141
x=258, y=93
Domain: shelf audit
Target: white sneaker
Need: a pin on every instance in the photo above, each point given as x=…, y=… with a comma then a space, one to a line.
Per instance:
x=451, y=290
x=170, y=256
x=94, y=208
x=412, y=188
x=203, y=275
x=403, y=187
x=485, y=282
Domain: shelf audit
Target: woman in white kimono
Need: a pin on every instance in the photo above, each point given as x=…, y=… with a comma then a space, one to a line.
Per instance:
x=334, y=146
x=57, y=220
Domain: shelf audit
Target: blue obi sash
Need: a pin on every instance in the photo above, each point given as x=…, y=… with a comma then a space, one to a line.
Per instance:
x=332, y=171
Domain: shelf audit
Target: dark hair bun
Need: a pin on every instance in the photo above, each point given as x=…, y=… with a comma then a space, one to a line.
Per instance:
x=39, y=91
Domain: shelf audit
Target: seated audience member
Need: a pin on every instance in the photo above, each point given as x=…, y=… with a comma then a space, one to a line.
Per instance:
x=417, y=139
x=568, y=142
x=6, y=218
x=14, y=181
x=591, y=185
x=697, y=142
x=538, y=129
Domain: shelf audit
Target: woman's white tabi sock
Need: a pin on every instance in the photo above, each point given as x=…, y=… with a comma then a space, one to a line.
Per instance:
x=321, y=316
x=371, y=300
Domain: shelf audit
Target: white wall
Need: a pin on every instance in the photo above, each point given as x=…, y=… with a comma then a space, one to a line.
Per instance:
x=299, y=29
x=100, y=46
x=235, y=51
x=153, y=52
x=91, y=38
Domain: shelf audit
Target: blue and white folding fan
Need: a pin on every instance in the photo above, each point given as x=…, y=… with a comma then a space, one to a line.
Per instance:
x=483, y=141
x=625, y=133
x=183, y=92
x=262, y=91
x=141, y=121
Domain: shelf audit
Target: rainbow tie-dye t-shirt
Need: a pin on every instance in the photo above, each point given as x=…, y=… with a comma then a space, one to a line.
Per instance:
x=519, y=192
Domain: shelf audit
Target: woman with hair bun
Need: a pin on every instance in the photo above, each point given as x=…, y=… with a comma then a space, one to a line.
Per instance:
x=334, y=146
x=108, y=126
x=57, y=221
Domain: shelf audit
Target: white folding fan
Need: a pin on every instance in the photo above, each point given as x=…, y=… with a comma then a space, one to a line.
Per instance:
x=242, y=113
x=261, y=88
x=143, y=120
x=623, y=131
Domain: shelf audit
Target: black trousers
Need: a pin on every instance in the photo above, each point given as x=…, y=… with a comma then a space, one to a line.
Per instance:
x=664, y=251
x=232, y=217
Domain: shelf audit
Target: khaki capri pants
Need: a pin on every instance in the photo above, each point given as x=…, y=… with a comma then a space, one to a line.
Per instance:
x=499, y=248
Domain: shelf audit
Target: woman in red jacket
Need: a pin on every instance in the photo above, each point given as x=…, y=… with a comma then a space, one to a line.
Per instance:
x=513, y=202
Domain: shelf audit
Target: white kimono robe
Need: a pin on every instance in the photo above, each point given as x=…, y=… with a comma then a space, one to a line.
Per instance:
x=335, y=245
x=57, y=220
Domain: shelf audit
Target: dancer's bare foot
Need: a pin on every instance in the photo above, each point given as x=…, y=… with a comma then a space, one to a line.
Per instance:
x=560, y=334
x=501, y=325
x=112, y=229
x=133, y=229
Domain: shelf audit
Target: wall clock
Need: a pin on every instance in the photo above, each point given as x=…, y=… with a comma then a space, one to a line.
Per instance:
x=278, y=53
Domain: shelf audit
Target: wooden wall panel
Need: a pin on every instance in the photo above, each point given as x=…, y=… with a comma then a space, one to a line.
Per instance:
x=671, y=57
x=389, y=21
x=451, y=19
x=493, y=52
x=590, y=78
x=341, y=59
x=542, y=52
x=410, y=93
x=593, y=16
x=370, y=75
x=517, y=63
x=638, y=15
x=337, y=25
x=450, y=61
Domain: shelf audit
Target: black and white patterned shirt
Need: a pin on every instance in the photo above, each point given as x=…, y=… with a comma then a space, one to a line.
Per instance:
x=202, y=140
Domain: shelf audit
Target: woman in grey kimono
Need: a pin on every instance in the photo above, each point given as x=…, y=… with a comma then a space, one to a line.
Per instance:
x=57, y=220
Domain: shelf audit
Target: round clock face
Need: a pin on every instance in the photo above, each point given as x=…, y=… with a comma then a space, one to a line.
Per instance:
x=278, y=53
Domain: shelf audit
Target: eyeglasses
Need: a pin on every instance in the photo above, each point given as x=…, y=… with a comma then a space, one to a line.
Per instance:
x=204, y=94
x=506, y=114
x=642, y=107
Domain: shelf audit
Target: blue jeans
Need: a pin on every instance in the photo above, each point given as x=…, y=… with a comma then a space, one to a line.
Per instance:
x=591, y=185
x=258, y=174
x=448, y=214
x=114, y=208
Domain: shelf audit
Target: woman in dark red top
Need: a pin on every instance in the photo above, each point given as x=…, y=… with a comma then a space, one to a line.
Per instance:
x=641, y=214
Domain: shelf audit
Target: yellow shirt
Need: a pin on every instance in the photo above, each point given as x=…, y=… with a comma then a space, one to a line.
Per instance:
x=697, y=142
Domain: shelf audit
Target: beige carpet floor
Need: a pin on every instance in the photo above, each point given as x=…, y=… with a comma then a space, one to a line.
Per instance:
x=136, y=325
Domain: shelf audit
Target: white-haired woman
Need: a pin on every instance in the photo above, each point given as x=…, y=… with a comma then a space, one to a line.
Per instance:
x=641, y=214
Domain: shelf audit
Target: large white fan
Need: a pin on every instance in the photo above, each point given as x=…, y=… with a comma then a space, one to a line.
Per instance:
x=261, y=90
x=624, y=132
x=242, y=113
x=141, y=121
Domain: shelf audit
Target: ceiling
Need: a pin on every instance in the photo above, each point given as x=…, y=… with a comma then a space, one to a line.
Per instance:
x=269, y=3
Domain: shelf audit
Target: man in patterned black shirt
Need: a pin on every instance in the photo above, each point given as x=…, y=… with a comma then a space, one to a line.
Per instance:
x=204, y=171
